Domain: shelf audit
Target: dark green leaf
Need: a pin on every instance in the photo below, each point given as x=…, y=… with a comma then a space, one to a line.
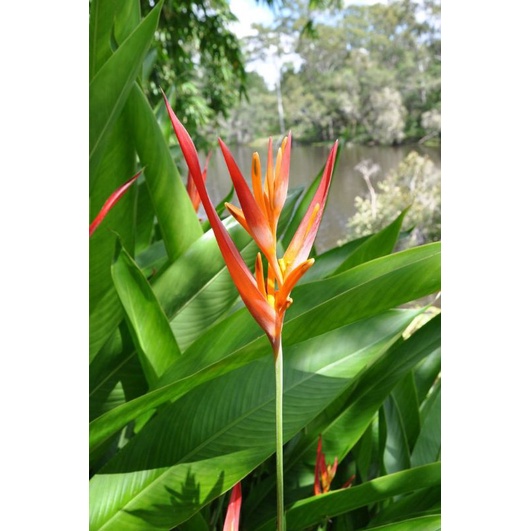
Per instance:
x=314, y=510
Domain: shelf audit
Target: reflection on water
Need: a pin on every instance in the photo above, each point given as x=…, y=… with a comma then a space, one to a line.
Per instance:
x=306, y=162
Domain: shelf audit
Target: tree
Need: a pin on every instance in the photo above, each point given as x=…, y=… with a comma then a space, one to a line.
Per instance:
x=250, y=120
x=198, y=62
x=415, y=183
x=386, y=117
x=362, y=70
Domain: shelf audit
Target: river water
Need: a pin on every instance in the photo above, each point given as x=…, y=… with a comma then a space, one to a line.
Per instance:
x=306, y=162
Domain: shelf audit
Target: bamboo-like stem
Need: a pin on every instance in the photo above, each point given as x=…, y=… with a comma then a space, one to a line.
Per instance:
x=281, y=524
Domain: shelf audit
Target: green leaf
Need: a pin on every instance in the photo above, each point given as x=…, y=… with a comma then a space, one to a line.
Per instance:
x=147, y=322
x=314, y=510
x=363, y=291
x=116, y=168
x=406, y=400
x=110, y=87
x=396, y=453
x=196, y=289
x=104, y=320
x=342, y=431
x=109, y=20
x=102, y=380
x=116, y=156
x=428, y=446
x=176, y=217
x=319, y=307
x=217, y=423
x=328, y=262
x=181, y=288
x=422, y=523
x=145, y=219
x=377, y=245
x=424, y=502
x=426, y=373
x=380, y=379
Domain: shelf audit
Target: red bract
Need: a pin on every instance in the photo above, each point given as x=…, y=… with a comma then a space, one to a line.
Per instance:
x=191, y=187
x=232, y=518
x=111, y=201
x=267, y=298
x=324, y=474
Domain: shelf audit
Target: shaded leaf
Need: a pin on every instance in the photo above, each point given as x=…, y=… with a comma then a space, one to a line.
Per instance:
x=363, y=292
x=314, y=510
x=220, y=421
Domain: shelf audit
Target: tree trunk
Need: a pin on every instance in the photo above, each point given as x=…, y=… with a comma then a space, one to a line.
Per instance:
x=280, y=109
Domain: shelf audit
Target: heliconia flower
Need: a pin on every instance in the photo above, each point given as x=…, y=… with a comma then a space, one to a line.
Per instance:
x=324, y=474
x=111, y=201
x=267, y=298
x=191, y=187
x=232, y=518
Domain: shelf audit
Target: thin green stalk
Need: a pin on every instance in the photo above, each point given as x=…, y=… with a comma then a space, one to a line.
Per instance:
x=281, y=524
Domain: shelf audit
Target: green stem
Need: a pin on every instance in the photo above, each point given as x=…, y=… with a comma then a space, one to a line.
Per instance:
x=281, y=524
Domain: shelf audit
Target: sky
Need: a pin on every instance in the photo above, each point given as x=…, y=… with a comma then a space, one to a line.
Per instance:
x=249, y=11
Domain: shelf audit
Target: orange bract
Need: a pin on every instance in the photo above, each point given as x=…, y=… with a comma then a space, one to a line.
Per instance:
x=191, y=187
x=324, y=474
x=267, y=296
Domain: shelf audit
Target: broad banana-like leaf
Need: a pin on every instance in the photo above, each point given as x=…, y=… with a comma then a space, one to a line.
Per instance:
x=426, y=373
x=340, y=432
x=223, y=429
x=322, y=306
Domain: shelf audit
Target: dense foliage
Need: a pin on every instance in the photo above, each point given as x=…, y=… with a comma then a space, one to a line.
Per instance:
x=196, y=55
x=181, y=378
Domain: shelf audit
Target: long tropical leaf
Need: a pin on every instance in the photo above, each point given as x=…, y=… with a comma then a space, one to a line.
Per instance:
x=326, y=305
x=110, y=87
x=176, y=217
x=228, y=416
x=340, y=432
x=312, y=511
x=147, y=322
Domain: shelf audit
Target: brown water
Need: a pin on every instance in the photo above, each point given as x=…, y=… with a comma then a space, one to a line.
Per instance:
x=306, y=162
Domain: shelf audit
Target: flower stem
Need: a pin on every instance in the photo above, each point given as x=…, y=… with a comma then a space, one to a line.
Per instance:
x=281, y=524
